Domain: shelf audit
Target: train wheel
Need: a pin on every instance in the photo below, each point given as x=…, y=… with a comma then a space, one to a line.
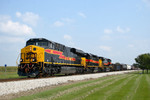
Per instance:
x=38, y=75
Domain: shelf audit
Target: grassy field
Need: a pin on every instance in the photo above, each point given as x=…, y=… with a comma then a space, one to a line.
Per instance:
x=11, y=72
x=8, y=68
x=133, y=86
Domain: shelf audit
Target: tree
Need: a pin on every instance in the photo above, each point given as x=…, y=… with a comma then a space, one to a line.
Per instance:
x=143, y=61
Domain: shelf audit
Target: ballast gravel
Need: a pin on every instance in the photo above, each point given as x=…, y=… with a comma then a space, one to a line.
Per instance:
x=25, y=85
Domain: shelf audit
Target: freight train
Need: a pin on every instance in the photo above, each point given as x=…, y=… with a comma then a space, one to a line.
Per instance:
x=42, y=57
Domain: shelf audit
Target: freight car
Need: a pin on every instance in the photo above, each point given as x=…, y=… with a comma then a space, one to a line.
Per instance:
x=41, y=57
x=117, y=67
x=129, y=67
x=124, y=66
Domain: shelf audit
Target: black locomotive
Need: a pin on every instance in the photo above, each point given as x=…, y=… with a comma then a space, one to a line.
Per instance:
x=41, y=57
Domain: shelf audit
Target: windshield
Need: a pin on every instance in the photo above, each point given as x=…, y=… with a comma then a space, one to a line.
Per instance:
x=30, y=43
x=37, y=43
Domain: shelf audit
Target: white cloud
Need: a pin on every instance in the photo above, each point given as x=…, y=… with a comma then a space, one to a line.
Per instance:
x=147, y=2
x=16, y=29
x=4, y=18
x=28, y=17
x=18, y=14
x=67, y=37
x=12, y=37
x=58, y=24
x=5, y=39
x=62, y=22
x=130, y=45
x=68, y=20
x=69, y=41
x=105, y=48
x=108, y=31
x=120, y=30
x=127, y=29
x=82, y=15
x=106, y=38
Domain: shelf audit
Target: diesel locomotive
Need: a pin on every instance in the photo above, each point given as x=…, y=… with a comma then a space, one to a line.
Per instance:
x=42, y=57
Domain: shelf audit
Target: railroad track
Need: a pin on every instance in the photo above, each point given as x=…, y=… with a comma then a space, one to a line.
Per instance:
x=26, y=78
x=14, y=79
x=30, y=78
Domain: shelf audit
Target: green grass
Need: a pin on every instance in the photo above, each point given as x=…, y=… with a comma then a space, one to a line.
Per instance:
x=8, y=75
x=11, y=72
x=8, y=68
x=132, y=86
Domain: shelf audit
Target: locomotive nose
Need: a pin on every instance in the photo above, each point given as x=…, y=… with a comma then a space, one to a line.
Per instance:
x=29, y=54
x=32, y=58
x=32, y=54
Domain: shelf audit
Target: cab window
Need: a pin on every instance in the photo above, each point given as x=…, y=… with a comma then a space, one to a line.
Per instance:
x=41, y=43
x=30, y=43
x=37, y=43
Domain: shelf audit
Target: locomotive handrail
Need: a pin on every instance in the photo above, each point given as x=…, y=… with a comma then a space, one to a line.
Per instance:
x=17, y=59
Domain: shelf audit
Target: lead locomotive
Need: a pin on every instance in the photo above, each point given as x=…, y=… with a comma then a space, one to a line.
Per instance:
x=41, y=57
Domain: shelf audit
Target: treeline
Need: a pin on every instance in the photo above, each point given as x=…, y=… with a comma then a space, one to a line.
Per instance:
x=143, y=62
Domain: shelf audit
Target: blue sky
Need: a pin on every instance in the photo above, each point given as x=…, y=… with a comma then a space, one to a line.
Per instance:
x=115, y=29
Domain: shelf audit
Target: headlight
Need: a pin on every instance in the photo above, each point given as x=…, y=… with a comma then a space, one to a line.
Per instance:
x=21, y=60
x=30, y=48
x=34, y=60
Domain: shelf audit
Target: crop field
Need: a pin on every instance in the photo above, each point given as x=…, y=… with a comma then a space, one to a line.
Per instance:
x=132, y=86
